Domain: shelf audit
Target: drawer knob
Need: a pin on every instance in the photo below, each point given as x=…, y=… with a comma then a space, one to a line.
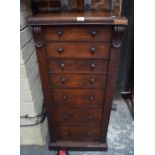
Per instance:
x=59, y=33
x=92, y=66
x=92, y=81
x=88, y=134
x=90, y=117
x=62, y=66
x=93, y=33
x=65, y=116
x=63, y=80
x=93, y=50
x=66, y=133
x=91, y=98
x=64, y=98
x=60, y=50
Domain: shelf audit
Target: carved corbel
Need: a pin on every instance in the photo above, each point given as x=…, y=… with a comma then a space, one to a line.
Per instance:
x=38, y=36
x=117, y=35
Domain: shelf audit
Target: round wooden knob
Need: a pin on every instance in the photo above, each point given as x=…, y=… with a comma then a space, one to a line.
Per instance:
x=62, y=66
x=90, y=117
x=92, y=81
x=63, y=80
x=66, y=133
x=93, y=50
x=88, y=134
x=91, y=98
x=60, y=50
x=92, y=66
x=93, y=33
x=65, y=116
x=64, y=98
x=59, y=33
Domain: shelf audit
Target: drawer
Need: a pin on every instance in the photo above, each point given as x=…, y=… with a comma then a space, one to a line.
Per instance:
x=74, y=97
x=67, y=115
x=77, y=133
x=77, y=33
x=77, y=80
x=77, y=66
x=78, y=50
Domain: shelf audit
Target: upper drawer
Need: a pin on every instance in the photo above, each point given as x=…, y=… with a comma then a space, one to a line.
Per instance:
x=78, y=50
x=77, y=33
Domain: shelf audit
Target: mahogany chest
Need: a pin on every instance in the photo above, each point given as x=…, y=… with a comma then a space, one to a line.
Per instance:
x=78, y=55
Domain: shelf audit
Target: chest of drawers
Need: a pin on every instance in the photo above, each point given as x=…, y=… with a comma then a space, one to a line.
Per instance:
x=78, y=65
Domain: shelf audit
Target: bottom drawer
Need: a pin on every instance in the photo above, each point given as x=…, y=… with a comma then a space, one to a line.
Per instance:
x=77, y=133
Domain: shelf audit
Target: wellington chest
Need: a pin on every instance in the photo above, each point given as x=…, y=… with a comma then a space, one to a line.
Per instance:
x=78, y=56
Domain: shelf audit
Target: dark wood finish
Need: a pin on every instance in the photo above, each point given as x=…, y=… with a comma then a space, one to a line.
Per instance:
x=113, y=7
x=82, y=146
x=78, y=50
x=70, y=18
x=77, y=33
x=84, y=97
x=78, y=64
x=80, y=5
x=111, y=79
x=77, y=81
x=70, y=116
x=45, y=5
x=78, y=133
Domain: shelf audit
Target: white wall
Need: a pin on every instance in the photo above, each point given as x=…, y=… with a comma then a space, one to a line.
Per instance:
x=31, y=97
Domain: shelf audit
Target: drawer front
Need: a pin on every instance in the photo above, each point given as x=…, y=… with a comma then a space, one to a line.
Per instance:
x=64, y=115
x=73, y=97
x=78, y=50
x=77, y=80
x=77, y=133
x=77, y=66
x=77, y=33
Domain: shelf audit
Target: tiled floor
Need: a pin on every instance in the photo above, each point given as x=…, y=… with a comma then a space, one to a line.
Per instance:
x=120, y=136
